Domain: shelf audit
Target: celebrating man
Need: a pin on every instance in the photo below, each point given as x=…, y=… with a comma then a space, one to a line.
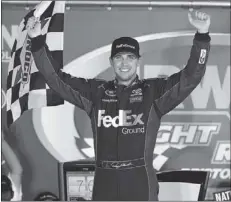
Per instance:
x=126, y=112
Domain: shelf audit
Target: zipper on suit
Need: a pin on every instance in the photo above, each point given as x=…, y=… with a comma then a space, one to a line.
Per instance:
x=117, y=142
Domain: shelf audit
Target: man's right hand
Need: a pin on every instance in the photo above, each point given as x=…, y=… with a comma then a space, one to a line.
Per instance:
x=33, y=27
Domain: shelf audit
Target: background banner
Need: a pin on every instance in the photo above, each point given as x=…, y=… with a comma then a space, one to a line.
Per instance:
x=201, y=124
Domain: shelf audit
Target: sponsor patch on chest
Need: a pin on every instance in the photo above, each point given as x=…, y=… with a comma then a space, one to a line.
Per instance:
x=136, y=99
x=136, y=92
x=125, y=118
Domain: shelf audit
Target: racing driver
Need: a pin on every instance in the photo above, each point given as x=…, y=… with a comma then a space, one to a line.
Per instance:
x=125, y=113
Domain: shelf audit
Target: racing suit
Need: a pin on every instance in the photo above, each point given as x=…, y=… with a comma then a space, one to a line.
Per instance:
x=125, y=119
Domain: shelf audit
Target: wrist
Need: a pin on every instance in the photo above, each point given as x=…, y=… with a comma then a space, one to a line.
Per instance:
x=37, y=42
x=202, y=31
x=202, y=36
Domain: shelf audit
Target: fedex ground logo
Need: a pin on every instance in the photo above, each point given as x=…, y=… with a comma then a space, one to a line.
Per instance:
x=125, y=118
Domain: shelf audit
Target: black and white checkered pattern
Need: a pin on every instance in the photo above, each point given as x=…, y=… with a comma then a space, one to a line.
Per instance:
x=35, y=93
x=162, y=153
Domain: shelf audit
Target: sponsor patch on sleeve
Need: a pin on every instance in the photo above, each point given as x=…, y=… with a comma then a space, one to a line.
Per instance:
x=202, y=56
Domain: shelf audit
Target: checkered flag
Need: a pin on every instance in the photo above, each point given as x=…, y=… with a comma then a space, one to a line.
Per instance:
x=162, y=153
x=26, y=87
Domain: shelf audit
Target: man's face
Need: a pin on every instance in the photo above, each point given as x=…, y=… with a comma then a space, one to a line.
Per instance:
x=125, y=66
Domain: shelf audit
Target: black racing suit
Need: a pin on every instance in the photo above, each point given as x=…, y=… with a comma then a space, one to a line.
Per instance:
x=125, y=119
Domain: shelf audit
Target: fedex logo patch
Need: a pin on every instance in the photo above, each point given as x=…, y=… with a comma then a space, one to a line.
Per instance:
x=125, y=118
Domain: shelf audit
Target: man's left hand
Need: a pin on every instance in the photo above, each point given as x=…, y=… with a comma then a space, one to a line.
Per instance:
x=200, y=20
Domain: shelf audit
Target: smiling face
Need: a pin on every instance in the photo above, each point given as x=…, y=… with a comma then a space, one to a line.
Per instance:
x=125, y=67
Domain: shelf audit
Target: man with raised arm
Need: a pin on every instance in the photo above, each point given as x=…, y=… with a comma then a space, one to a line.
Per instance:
x=126, y=112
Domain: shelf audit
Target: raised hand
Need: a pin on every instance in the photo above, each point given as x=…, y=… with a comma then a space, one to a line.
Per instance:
x=34, y=27
x=200, y=20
